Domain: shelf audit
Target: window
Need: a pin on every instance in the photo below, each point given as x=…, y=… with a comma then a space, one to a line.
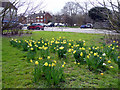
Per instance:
x=41, y=16
x=41, y=20
x=38, y=20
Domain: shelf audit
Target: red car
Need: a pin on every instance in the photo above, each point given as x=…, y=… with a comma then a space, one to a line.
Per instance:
x=35, y=27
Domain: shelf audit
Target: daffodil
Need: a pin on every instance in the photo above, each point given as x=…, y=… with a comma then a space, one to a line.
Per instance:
x=117, y=46
x=89, y=48
x=63, y=65
x=74, y=62
x=40, y=47
x=36, y=62
x=69, y=44
x=101, y=74
x=61, y=47
x=31, y=48
x=54, y=61
x=49, y=65
x=45, y=43
x=74, y=52
x=91, y=52
x=46, y=64
x=83, y=48
x=117, y=41
x=48, y=57
x=114, y=41
x=109, y=61
x=104, y=54
x=53, y=64
x=84, y=44
x=113, y=48
x=45, y=48
x=118, y=56
x=69, y=50
x=88, y=56
x=19, y=41
x=78, y=63
x=95, y=54
x=100, y=57
x=38, y=42
x=31, y=61
x=111, y=66
x=104, y=64
x=40, y=58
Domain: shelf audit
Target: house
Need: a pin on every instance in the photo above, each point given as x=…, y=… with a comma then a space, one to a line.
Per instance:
x=8, y=12
x=41, y=17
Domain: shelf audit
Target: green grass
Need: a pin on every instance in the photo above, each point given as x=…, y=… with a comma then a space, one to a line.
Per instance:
x=17, y=72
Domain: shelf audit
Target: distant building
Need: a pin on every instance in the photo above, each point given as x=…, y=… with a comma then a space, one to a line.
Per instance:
x=22, y=19
x=42, y=17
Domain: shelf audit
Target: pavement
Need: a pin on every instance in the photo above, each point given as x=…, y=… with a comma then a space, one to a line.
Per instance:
x=78, y=30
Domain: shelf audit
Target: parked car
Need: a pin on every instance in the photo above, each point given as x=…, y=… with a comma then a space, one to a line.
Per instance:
x=35, y=26
x=88, y=25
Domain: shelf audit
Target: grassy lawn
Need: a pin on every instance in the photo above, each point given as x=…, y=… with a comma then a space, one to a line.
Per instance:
x=17, y=72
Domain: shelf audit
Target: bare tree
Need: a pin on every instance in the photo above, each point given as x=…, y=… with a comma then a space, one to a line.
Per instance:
x=114, y=18
x=11, y=9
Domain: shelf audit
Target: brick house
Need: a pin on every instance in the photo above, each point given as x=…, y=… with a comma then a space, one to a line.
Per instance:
x=41, y=17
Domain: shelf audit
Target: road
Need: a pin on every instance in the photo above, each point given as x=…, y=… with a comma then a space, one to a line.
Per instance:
x=78, y=30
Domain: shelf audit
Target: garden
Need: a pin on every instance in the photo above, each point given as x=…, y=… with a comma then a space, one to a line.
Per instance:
x=46, y=59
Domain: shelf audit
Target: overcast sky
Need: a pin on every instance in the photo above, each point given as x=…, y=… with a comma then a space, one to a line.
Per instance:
x=55, y=6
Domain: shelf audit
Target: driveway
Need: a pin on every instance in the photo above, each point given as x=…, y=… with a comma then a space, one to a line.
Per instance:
x=78, y=30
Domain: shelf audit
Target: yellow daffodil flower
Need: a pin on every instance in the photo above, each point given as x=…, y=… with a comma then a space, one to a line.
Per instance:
x=40, y=47
x=74, y=62
x=36, y=62
x=114, y=41
x=91, y=52
x=101, y=74
x=31, y=61
x=40, y=58
x=53, y=64
x=74, y=52
x=111, y=66
x=45, y=43
x=69, y=44
x=31, y=48
x=118, y=56
x=88, y=56
x=95, y=54
x=78, y=63
x=84, y=44
x=61, y=48
x=48, y=57
x=46, y=64
x=54, y=61
x=113, y=48
x=49, y=65
x=63, y=65
x=81, y=54
x=109, y=61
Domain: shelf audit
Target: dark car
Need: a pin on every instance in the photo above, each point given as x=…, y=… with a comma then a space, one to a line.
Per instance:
x=35, y=26
x=88, y=25
x=83, y=26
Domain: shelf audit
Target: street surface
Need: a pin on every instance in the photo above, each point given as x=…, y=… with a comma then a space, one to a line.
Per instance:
x=78, y=30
